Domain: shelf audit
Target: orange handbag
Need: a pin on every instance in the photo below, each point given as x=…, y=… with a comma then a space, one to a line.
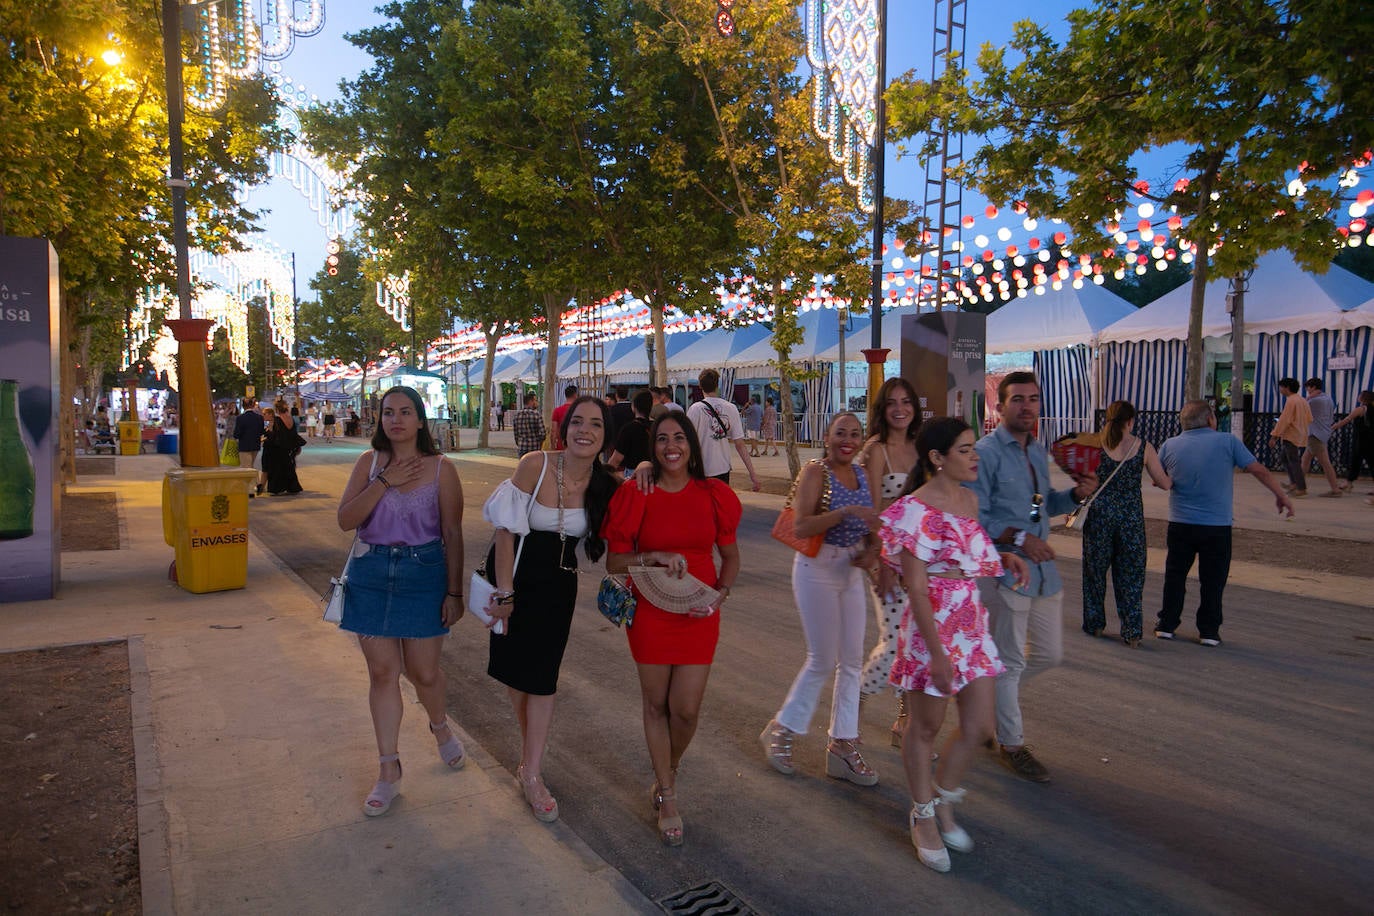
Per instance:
x=784, y=530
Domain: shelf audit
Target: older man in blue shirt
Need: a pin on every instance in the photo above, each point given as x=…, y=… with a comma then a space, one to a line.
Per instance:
x=1201, y=462
x=1015, y=503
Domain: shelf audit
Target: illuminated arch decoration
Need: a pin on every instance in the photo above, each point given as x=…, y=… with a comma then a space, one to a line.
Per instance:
x=281, y=26
x=842, y=47
x=393, y=296
x=325, y=190
x=262, y=271
x=151, y=301
x=231, y=45
x=164, y=356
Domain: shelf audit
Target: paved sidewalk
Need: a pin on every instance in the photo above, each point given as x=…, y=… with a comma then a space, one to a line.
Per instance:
x=251, y=750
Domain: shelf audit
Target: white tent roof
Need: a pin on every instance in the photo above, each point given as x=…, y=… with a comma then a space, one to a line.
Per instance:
x=1362, y=316
x=627, y=357
x=711, y=350
x=1056, y=319
x=523, y=367
x=1282, y=298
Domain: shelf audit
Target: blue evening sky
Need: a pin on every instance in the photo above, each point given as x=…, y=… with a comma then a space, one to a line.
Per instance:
x=320, y=62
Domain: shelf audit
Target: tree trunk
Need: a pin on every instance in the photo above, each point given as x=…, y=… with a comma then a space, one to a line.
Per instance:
x=553, y=311
x=660, y=373
x=493, y=333
x=1192, y=379
x=66, y=415
x=786, y=418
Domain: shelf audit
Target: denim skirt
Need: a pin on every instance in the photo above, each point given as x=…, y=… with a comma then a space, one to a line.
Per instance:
x=396, y=592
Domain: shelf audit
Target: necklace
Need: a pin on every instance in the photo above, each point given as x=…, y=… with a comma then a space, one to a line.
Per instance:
x=562, y=532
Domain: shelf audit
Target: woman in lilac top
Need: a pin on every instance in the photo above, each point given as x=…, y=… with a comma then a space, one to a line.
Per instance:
x=831, y=590
x=405, y=579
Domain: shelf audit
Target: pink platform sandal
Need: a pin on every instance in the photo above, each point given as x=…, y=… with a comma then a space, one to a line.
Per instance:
x=378, y=801
x=545, y=809
x=450, y=751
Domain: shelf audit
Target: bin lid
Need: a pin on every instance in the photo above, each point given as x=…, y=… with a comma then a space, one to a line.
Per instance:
x=224, y=474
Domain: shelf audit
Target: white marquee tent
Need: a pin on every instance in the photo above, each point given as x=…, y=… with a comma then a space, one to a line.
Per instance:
x=1294, y=322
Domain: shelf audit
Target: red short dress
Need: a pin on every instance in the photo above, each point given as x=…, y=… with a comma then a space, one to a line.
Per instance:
x=691, y=522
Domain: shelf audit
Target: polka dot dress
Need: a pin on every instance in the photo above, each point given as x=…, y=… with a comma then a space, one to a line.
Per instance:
x=888, y=612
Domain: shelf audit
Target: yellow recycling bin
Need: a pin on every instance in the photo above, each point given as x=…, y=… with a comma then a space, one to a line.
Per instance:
x=130, y=437
x=205, y=519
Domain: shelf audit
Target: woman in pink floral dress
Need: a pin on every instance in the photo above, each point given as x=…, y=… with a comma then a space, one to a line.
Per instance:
x=931, y=534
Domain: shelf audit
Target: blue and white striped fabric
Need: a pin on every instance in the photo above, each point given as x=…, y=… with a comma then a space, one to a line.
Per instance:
x=1303, y=356
x=1147, y=373
x=1065, y=389
x=727, y=384
x=818, y=405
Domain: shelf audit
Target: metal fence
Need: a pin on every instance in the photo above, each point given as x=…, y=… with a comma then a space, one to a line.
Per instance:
x=1154, y=426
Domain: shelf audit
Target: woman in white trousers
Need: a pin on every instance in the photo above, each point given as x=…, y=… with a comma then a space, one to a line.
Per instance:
x=831, y=591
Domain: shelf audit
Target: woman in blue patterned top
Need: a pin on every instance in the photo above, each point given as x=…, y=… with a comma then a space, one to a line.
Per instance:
x=831, y=590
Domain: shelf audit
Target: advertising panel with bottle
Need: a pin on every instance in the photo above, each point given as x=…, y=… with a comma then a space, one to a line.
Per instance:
x=29, y=532
x=944, y=357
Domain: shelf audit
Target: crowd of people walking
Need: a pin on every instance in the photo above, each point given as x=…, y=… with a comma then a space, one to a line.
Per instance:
x=944, y=535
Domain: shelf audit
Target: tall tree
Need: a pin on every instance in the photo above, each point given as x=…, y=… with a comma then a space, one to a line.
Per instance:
x=345, y=321
x=85, y=158
x=794, y=215
x=1252, y=94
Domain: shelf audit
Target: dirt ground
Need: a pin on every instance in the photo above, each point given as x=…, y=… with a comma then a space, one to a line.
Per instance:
x=70, y=840
x=1273, y=548
x=90, y=521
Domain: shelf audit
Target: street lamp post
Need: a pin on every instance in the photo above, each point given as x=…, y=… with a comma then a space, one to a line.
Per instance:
x=876, y=354
x=1235, y=303
x=198, y=438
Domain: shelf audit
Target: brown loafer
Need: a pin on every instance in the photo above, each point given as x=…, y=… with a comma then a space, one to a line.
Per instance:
x=1023, y=763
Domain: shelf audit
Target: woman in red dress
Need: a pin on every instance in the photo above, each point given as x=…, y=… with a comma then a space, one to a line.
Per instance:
x=676, y=526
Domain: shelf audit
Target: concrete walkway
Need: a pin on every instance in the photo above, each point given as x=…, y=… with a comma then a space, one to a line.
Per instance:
x=249, y=793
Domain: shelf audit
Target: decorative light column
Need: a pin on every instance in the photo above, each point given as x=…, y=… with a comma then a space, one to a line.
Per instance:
x=847, y=46
x=220, y=60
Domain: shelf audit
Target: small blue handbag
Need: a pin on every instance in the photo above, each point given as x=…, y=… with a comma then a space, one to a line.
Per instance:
x=616, y=601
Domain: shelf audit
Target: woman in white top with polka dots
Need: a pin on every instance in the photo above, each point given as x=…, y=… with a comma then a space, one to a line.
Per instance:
x=888, y=456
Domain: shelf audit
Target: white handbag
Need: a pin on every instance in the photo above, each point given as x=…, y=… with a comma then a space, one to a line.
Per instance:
x=480, y=588
x=334, y=598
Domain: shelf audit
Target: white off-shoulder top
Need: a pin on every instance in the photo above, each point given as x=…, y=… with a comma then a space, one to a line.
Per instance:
x=518, y=512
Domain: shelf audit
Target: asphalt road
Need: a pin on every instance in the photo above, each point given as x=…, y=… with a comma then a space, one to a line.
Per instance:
x=1186, y=780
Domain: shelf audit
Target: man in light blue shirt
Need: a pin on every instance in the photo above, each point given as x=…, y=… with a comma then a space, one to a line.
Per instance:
x=1319, y=433
x=1201, y=462
x=1015, y=503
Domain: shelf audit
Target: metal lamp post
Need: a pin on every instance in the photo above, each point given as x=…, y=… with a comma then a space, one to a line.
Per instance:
x=1239, y=285
x=198, y=439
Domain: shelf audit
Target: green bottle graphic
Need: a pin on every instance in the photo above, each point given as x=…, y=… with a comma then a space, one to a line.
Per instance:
x=16, y=469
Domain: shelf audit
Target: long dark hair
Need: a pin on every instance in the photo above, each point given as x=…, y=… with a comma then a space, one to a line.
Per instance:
x=601, y=486
x=936, y=435
x=1119, y=413
x=696, y=468
x=877, y=411
x=424, y=442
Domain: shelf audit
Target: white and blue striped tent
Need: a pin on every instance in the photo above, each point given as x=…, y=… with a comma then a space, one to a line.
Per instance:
x=1061, y=328
x=1294, y=321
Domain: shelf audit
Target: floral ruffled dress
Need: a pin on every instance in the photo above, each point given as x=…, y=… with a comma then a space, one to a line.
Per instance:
x=944, y=542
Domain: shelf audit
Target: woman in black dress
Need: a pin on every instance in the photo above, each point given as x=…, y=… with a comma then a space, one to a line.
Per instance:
x=280, y=446
x=554, y=500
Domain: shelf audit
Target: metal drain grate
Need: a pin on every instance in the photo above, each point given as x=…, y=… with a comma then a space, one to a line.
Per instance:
x=710, y=899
